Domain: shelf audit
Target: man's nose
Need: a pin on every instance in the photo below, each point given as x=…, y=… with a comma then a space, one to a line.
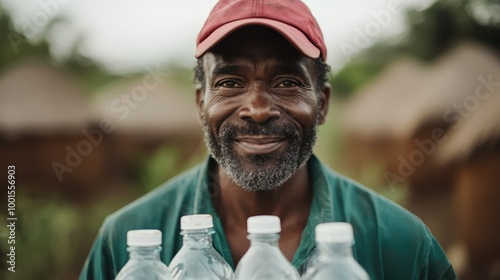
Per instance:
x=259, y=107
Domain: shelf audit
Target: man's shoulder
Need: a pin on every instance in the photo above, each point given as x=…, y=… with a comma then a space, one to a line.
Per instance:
x=165, y=200
x=359, y=201
x=383, y=229
x=159, y=209
x=371, y=213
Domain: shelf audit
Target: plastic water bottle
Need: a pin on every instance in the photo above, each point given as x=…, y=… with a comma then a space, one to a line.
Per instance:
x=144, y=263
x=197, y=259
x=264, y=259
x=334, y=260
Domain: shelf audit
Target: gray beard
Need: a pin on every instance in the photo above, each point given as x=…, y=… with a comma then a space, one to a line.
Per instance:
x=255, y=173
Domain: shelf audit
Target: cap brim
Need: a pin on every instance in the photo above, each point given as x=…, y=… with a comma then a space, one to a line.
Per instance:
x=292, y=34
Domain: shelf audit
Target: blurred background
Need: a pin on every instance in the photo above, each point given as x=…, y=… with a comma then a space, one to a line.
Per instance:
x=97, y=108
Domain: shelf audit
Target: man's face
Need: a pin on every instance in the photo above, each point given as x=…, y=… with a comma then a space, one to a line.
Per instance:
x=260, y=108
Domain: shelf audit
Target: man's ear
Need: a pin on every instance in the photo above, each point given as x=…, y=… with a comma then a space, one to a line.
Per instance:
x=199, y=103
x=324, y=102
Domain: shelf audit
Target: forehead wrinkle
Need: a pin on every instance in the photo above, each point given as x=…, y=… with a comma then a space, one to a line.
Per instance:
x=265, y=65
x=226, y=69
x=293, y=68
x=238, y=64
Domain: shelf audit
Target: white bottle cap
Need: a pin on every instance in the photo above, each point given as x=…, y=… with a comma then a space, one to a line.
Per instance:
x=144, y=238
x=203, y=221
x=264, y=224
x=334, y=233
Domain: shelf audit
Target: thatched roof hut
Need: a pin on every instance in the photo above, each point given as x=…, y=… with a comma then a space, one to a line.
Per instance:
x=409, y=101
x=452, y=78
x=479, y=133
x=374, y=111
x=36, y=98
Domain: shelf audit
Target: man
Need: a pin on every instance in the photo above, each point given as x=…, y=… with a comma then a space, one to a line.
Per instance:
x=261, y=93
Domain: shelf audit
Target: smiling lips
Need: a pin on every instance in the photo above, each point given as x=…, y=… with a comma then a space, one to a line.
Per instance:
x=259, y=144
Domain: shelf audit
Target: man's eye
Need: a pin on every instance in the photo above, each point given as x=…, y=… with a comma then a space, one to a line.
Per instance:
x=288, y=84
x=230, y=84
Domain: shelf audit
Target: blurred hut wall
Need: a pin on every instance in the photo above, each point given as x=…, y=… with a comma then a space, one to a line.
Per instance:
x=407, y=114
x=475, y=146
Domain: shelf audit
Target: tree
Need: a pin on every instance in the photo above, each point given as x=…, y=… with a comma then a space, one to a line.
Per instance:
x=430, y=33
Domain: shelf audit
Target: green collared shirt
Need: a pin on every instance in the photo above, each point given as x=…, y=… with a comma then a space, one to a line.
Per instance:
x=391, y=243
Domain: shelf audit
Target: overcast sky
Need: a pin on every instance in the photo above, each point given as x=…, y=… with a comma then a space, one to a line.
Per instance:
x=128, y=35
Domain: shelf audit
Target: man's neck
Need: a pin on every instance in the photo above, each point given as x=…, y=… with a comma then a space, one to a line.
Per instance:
x=234, y=204
x=291, y=202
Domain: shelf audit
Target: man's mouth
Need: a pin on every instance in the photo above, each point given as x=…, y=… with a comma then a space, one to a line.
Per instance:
x=260, y=144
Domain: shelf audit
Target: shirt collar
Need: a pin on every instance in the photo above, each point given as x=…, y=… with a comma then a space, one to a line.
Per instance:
x=321, y=212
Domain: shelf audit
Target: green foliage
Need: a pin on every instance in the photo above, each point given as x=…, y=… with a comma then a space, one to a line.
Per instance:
x=181, y=76
x=352, y=77
x=167, y=162
x=15, y=47
x=445, y=23
x=53, y=235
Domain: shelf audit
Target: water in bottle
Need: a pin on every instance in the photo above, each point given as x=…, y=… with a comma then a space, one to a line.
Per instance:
x=197, y=259
x=334, y=260
x=144, y=247
x=264, y=259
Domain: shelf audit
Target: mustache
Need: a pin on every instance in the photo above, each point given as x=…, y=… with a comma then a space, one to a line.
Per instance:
x=230, y=132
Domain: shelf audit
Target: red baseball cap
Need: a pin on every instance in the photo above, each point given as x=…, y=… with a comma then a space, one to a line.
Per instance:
x=291, y=18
